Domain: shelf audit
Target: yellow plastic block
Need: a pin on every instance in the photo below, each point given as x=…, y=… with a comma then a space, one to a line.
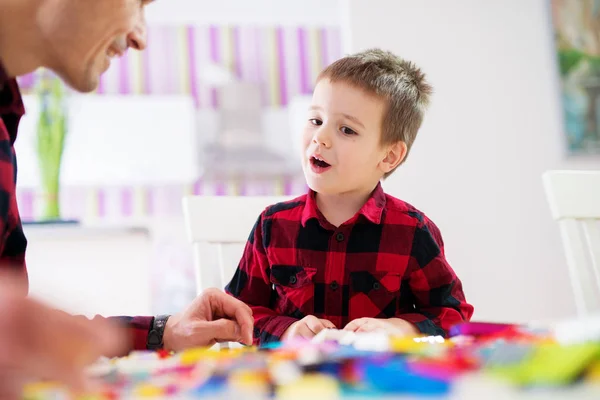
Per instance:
x=193, y=356
x=551, y=365
x=310, y=386
x=419, y=345
x=245, y=382
x=593, y=373
x=148, y=390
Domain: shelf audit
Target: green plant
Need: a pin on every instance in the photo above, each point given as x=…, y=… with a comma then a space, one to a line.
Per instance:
x=51, y=133
x=570, y=58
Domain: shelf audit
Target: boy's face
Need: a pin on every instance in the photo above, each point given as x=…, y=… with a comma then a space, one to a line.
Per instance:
x=342, y=150
x=84, y=35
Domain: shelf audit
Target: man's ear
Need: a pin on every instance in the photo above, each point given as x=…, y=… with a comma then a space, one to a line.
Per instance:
x=394, y=156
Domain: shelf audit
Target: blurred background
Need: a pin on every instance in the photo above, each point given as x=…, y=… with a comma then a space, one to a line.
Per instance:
x=215, y=104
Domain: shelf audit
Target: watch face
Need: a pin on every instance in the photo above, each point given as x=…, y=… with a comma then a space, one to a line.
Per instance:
x=154, y=338
x=161, y=321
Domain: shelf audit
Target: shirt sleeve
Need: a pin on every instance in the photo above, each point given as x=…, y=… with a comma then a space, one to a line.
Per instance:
x=251, y=284
x=14, y=243
x=138, y=329
x=437, y=293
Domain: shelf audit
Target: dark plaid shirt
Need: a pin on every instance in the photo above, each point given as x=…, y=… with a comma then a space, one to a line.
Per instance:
x=386, y=262
x=12, y=240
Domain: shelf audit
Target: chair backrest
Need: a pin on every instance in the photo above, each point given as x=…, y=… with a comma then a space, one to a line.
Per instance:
x=574, y=199
x=223, y=222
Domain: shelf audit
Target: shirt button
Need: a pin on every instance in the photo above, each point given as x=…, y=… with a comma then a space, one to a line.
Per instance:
x=339, y=237
x=334, y=285
x=293, y=279
x=376, y=286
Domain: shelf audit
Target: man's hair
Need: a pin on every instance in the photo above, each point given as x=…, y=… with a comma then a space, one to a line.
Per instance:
x=400, y=83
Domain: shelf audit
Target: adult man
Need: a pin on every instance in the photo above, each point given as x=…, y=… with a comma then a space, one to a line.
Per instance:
x=77, y=40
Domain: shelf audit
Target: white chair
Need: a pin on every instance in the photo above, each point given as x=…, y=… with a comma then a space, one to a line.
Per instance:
x=574, y=199
x=223, y=222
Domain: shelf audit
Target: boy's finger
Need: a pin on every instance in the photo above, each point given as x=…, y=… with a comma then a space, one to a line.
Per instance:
x=328, y=324
x=354, y=325
x=315, y=325
x=305, y=333
x=366, y=327
x=351, y=327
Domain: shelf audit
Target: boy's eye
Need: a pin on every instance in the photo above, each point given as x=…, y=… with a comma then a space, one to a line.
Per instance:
x=347, y=131
x=315, y=121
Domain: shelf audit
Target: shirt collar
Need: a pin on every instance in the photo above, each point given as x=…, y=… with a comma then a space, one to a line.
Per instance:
x=3, y=76
x=372, y=210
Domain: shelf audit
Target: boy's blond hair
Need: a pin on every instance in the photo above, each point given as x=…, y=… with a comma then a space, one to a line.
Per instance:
x=399, y=82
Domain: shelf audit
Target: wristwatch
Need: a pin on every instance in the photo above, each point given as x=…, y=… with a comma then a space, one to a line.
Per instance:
x=155, y=336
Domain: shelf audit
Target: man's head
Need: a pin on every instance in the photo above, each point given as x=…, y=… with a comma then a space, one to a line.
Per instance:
x=82, y=36
x=366, y=111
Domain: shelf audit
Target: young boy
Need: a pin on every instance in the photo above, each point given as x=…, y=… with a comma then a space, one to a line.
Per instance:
x=346, y=255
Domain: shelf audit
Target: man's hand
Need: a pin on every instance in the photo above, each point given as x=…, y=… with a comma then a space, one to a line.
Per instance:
x=213, y=317
x=37, y=342
x=308, y=327
x=391, y=326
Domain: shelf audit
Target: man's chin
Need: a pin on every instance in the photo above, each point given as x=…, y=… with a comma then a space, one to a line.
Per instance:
x=85, y=83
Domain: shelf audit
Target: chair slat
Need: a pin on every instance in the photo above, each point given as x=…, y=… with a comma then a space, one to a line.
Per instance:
x=591, y=231
x=576, y=261
x=574, y=199
x=222, y=266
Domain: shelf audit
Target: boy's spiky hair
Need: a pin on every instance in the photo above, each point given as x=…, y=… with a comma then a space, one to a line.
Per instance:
x=399, y=82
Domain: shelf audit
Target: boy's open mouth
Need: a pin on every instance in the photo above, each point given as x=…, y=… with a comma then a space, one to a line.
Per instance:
x=317, y=162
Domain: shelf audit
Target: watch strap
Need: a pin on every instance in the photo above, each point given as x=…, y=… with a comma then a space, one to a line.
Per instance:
x=157, y=331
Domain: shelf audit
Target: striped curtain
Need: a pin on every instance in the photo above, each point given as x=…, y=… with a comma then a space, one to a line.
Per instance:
x=284, y=61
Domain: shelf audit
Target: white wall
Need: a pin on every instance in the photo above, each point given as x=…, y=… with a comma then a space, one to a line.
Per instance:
x=495, y=125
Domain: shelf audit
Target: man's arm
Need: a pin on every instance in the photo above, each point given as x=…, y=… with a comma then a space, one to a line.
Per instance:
x=252, y=285
x=436, y=291
x=211, y=317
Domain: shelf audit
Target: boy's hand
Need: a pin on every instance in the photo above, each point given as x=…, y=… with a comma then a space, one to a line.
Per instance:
x=307, y=328
x=391, y=326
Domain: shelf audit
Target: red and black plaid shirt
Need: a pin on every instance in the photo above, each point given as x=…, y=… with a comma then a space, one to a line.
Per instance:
x=386, y=262
x=12, y=240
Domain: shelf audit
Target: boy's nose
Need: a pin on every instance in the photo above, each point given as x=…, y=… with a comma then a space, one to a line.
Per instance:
x=322, y=138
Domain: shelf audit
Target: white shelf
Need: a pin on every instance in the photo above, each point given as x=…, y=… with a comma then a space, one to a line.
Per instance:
x=79, y=231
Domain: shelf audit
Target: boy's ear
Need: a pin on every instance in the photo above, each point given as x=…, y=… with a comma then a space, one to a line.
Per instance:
x=394, y=156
